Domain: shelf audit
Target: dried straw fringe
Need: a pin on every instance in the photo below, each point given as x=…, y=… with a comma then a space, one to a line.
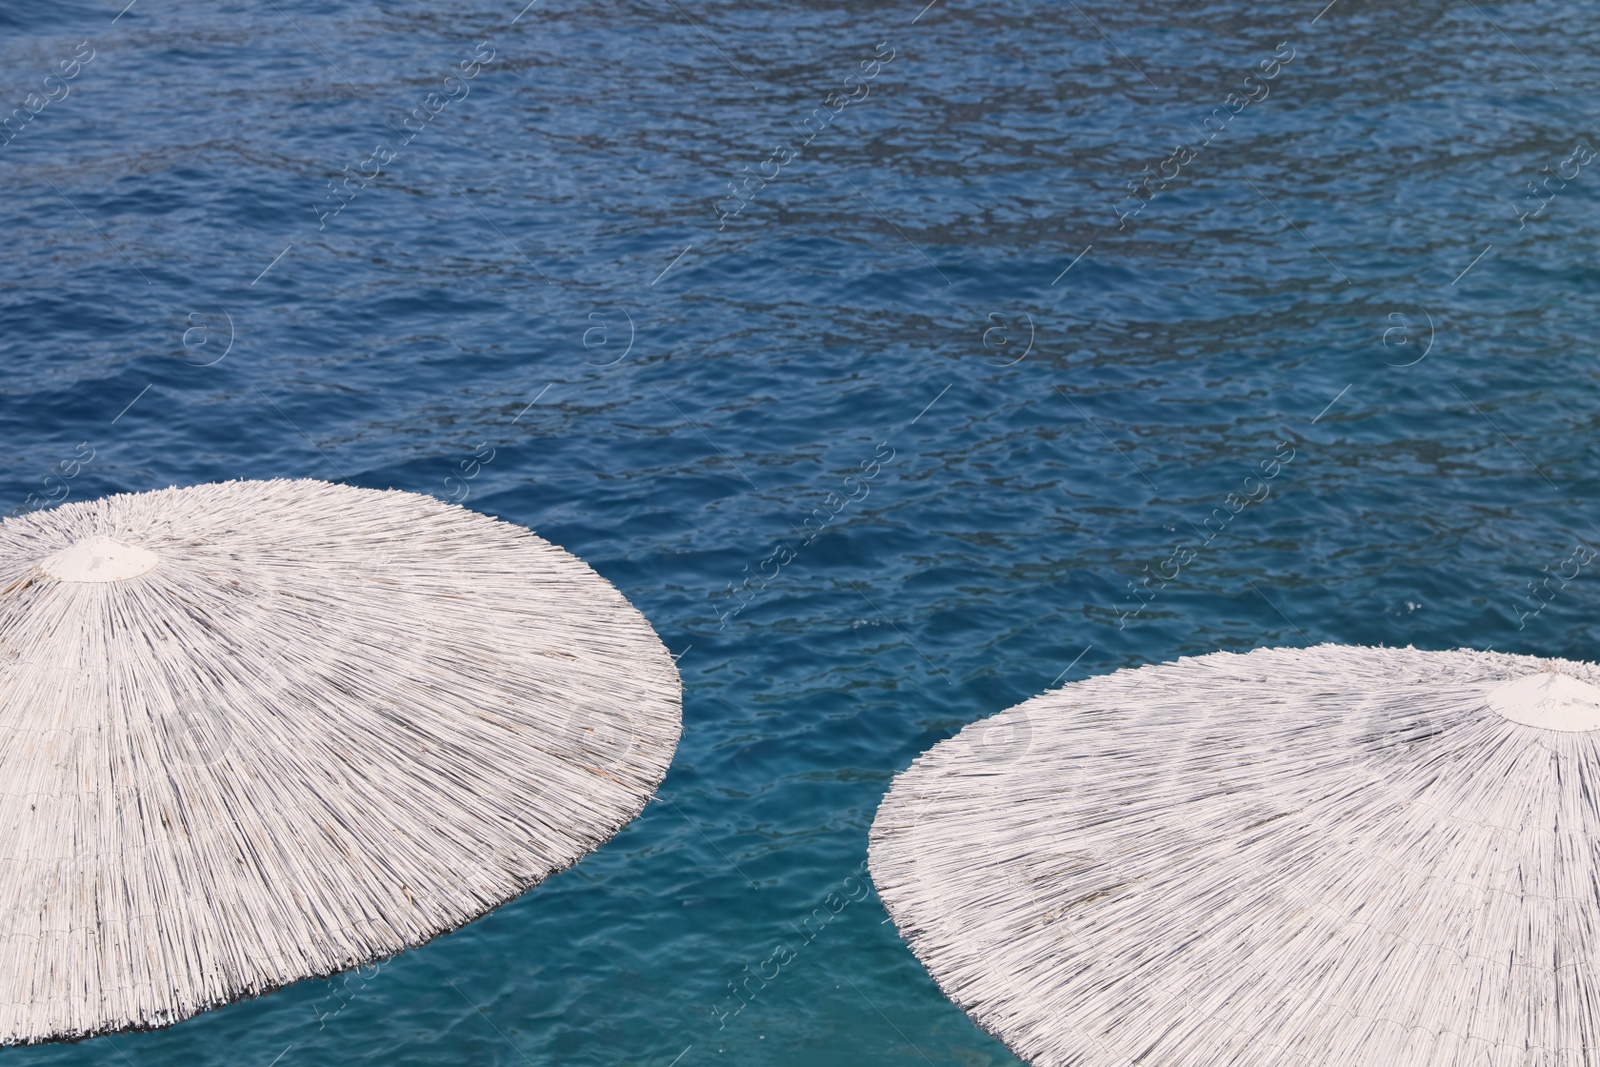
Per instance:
x=331, y=724
x=1335, y=857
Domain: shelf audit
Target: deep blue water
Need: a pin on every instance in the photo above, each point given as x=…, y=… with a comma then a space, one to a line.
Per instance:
x=1028, y=428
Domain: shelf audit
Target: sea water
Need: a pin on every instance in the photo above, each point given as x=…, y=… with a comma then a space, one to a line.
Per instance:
x=898, y=361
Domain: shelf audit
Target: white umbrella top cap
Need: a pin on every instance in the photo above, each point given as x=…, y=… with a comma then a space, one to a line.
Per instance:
x=1548, y=701
x=99, y=559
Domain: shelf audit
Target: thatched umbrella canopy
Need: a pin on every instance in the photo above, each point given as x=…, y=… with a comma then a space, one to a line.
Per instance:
x=255, y=732
x=1332, y=857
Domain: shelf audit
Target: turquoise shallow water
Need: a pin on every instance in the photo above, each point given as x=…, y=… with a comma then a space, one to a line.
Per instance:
x=969, y=415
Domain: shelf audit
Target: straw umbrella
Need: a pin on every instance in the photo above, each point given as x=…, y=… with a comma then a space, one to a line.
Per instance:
x=254, y=732
x=1329, y=856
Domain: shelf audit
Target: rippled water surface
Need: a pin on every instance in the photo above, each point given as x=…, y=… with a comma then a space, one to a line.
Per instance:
x=1327, y=375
